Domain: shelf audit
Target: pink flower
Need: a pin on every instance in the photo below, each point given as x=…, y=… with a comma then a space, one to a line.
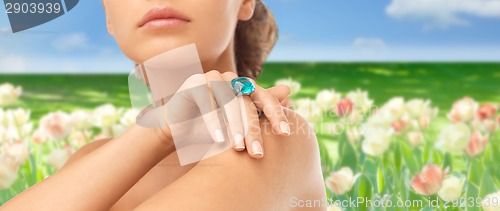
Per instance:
x=56, y=125
x=18, y=151
x=486, y=111
x=476, y=144
x=39, y=137
x=9, y=94
x=399, y=125
x=8, y=171
x=344, y=107
x=429, y=181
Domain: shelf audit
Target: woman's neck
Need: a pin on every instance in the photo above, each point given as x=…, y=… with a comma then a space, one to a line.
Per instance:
x=224, y=63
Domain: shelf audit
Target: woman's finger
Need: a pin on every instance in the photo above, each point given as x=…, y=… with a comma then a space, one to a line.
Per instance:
x=211, y=118
x=253, y=138
x=233, y=111
x=280, y=91
x=272, y=108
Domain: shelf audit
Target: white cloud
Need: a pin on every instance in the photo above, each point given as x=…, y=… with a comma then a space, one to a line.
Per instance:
x=369, y=42
x=70, y=42
x=443, y=13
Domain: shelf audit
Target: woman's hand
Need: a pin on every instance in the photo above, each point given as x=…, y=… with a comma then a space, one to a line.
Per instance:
x=263, y=100
x=206, y=105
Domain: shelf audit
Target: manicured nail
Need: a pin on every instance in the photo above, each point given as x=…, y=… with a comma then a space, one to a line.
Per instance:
x=238, y=141
x=257, y=148
x=285, y=128
x=219, y=137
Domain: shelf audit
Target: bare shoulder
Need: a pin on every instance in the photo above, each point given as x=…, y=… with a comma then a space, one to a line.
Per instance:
x=290, y=170
x=88, y=148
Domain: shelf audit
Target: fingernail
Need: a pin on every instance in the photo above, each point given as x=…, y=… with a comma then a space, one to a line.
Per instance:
x=238, y=141
x=285, y=128
x=219, y=137
x=257, y=148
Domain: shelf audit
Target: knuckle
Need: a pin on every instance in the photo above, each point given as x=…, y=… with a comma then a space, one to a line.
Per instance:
x=229, y=74
x=212, y=73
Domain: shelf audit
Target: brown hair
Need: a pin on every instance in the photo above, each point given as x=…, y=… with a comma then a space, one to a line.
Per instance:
x=254, y=40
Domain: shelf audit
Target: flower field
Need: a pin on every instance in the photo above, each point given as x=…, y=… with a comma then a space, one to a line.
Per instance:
x=392, y=136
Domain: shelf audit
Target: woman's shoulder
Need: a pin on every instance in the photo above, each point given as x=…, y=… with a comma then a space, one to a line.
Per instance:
x=290, y=170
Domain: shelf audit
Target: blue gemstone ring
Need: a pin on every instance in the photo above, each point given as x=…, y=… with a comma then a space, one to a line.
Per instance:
x=242, y=85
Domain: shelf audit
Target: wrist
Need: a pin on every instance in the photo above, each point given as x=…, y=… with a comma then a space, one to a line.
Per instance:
x=164, y=135
x=162, y=141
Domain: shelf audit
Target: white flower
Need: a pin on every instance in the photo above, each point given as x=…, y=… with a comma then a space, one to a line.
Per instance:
x=3, y=132
x=8, y=134
x=106, y=116
x=327, y=99
x=294, y=85
x=80, y=120
x=376, y=140
x=360, y=99
x=18, y=116
x=451, y=189
x=18, y=151
x=308, y=109
x=3, y=118
x=341, y=181
x=417, y=108
x=491, y=202
x=454, y=138
x=129, y=118
x=56, y=125
x=8, y=172
x=58, y=158
x=463, y=110
x=395, y=107
x=9, y=94
x=380, y=119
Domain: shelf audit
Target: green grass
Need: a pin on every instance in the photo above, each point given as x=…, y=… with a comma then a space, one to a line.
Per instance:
x=443, y=83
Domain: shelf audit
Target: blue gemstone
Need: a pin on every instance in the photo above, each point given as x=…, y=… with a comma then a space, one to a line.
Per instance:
x=243, y=85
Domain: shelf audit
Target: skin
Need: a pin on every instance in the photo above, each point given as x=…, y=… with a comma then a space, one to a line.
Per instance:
x=139, y=169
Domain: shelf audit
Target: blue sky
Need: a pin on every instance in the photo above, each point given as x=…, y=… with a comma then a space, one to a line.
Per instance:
x=321, y=30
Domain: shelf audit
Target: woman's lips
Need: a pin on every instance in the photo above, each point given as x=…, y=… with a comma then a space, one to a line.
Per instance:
x=164, y=23
x=165, y=17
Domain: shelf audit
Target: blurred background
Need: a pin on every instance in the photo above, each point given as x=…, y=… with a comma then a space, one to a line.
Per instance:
x=400, y=93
